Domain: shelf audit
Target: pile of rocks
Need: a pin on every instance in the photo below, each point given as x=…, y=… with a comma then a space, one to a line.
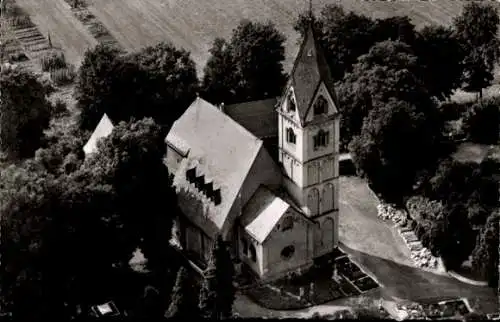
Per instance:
x=412, y=311
x=389, y=212
x=424, y=258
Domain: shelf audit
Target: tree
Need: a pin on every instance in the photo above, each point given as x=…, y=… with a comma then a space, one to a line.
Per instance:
x=388, y=70
x=477, y=29
x=393, y=145
x=184, y=303
x=218, y=80
x=172, y=82
x=439, y=52
x=481, y=122
x=218, y=292
x=485, y=255
x=159, y=81
x=93, y=90
x=346, y=37
x=24, y=112
x=252, y=62
x=398, y=28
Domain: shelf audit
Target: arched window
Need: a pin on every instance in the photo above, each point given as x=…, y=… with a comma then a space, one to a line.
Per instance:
x=320, y=139
x=287, y=252
x=287, y=223
x=291, y=103
x=290, y=136
x=313, y=202
x=327, y=233
x=321, y=106
x=327, y=197
x=253, y=253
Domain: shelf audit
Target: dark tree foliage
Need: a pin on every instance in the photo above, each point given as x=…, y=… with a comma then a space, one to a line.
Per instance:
x=218, y=292
x=62, y=151
x=24, y=113
x=440, y=54
x=159, y=81
x=398, y=28
x=219, y=82
x=69, y=237
x=392, y=147
x=172, y=82
x=388, y=71
x=346, y=37
x=251, y=64
x=485, y=255
x=184, y=303
x=93, y=90
x=477, y=31
x=482, y=121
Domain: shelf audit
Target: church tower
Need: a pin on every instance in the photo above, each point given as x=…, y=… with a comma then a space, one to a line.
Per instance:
x=309, y=142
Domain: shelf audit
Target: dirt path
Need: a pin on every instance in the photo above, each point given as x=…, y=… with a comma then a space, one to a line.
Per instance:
x=374, y=245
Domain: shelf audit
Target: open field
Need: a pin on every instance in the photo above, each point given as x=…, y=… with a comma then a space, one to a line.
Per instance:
x=66, y=32
x=193, y=24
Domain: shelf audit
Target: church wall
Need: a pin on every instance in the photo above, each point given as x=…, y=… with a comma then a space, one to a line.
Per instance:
x=326, y=234
x=245, y=253
x=296, y=148
x=309, y=151
x=173, y=160
x=275, y=262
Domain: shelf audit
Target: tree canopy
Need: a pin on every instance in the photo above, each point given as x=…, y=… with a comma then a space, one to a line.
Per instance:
x=159, y=81
x=248, y=67
x=440, y=54
x=218, y=292
x=184, y=303
x=477, y=30
x=84, y=225
x=24, y=112
x=481, y=121
x=485, y=255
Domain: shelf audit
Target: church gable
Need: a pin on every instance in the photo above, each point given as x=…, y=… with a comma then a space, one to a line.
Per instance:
x=323, y=105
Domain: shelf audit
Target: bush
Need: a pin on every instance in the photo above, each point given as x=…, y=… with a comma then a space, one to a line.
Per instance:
x=59, y=108
x=52, y=61
x=22, y=21
x=18, y=57
x=452, y=111
x=64, y=76
x=481, y=122
x=420, y=207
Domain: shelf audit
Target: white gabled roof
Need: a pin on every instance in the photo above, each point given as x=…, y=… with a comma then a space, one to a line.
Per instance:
x=262, y=213
x=102, y=130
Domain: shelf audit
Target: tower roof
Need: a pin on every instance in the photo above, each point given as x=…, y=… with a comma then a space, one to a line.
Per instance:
x=309, y=70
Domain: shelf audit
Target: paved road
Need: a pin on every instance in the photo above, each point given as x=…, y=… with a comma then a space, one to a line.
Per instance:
x=375, y=246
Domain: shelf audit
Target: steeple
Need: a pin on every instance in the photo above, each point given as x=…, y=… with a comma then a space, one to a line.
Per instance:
x=310, y=69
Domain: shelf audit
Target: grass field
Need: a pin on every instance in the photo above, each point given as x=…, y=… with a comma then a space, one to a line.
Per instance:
x=56, y=18
x=193, y=24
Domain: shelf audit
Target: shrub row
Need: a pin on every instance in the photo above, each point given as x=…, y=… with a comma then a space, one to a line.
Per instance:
x=389, y=212
x=63, y=76
x=52, y=61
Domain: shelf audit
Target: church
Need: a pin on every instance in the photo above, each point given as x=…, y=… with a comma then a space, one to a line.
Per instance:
x=263, y=174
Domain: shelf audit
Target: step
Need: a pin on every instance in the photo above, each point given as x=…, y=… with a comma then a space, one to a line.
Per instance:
x=31, y=37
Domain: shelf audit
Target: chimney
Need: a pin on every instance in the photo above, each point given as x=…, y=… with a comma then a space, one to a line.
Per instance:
x=221, y=107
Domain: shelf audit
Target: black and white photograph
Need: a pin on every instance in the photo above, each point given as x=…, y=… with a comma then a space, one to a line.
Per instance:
x=236, y=159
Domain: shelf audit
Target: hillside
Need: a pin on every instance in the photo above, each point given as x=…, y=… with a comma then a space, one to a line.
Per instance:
x=193, y=24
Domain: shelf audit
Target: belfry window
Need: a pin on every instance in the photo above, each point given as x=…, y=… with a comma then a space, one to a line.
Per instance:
x=321, y=106
x=290, y=136
x=320, y=139
x=291, y=103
